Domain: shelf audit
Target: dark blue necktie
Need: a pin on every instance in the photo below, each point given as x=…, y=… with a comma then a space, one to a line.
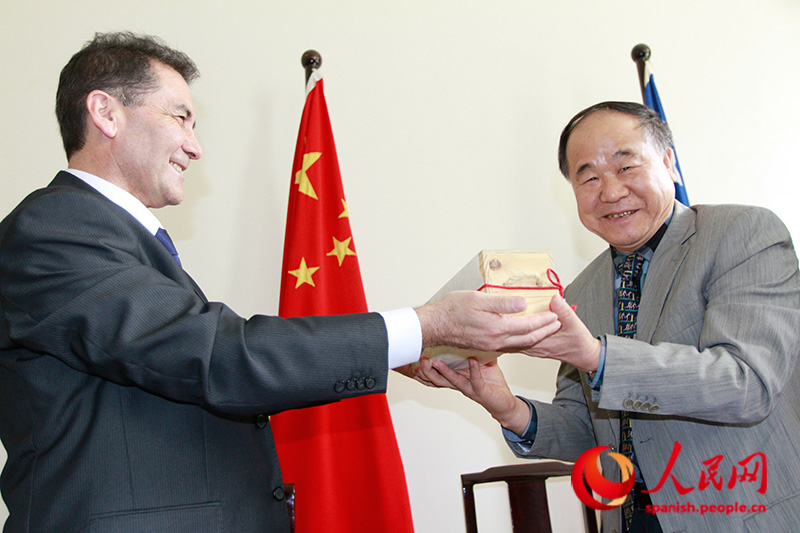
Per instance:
x=163, y=236
x=628, y=296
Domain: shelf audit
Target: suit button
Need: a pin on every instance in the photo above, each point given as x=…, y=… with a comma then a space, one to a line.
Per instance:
x=370, y=382
x=646, y=406
x=261, y=421
x=338, y=386
x=637, y=404
x=278, y=494
x=628, y=403
x=351, y=384
x=361, y=384
x=654, y=408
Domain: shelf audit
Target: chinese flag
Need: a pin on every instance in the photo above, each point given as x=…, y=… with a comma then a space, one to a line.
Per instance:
x=342, y=458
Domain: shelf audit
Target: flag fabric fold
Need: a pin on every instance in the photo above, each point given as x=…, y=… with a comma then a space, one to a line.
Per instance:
x=653, y=101
x=342, y=458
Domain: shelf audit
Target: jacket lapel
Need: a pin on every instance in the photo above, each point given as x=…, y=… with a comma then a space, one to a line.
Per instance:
x=595, y=296
x=664, y=267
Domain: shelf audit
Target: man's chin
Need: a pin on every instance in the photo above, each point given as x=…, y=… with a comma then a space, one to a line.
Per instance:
x=174, y=197
x=627, y=246
x=170, y=200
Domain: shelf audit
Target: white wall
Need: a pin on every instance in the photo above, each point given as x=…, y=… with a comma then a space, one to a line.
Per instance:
x=446, y=116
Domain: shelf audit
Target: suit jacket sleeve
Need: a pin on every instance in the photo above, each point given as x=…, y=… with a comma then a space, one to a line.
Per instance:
x=564, y=428
x=82, y=281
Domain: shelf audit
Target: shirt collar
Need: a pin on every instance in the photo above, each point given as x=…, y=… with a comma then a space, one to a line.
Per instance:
x=121, y=197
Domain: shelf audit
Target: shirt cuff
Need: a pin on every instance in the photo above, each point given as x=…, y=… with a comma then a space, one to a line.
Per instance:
x=597, y=381
x=404, y=333
x=529, y=435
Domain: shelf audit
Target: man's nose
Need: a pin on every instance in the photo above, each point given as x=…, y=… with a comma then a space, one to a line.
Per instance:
x=613, y=189
x=192, y=146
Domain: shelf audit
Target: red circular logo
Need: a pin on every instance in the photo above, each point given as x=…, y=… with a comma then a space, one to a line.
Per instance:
x=586, y=472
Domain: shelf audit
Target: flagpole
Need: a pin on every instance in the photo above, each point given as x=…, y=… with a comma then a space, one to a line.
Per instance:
x=640, y=54
x=311, y=61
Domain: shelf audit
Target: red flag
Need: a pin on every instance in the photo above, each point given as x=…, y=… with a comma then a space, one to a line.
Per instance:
x=342, y=458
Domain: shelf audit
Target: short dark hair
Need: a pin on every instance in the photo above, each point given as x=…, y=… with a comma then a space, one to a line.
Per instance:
x=655, y=129
x=119, y=63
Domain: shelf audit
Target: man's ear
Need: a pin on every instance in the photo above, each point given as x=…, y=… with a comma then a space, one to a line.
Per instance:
x=104, y=112
x=669, y=162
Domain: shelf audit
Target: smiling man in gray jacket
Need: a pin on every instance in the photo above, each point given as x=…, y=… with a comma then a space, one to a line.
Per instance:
x=710, y=380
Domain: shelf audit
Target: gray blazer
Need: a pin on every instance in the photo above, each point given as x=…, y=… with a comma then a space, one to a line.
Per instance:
x=128, y=402
x=713, y=369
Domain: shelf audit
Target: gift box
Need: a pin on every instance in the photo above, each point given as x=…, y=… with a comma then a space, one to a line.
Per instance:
x=527, y=273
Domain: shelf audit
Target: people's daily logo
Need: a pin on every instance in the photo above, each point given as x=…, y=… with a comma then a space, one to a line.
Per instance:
x=587, y=472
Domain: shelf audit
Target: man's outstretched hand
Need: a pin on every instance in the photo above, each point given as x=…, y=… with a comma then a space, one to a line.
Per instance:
x=471, y=319
x=482, y=383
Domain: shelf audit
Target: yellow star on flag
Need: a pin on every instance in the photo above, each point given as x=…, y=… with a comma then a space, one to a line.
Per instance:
x=341, y=249
x=301, y=178
x=304, y=273
x=344, y=213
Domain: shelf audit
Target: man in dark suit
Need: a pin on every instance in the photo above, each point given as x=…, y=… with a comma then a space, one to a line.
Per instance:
x=128, y=401
x=708, y=378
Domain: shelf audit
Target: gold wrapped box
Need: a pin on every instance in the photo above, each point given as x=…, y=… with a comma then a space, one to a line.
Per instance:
x=527, y=273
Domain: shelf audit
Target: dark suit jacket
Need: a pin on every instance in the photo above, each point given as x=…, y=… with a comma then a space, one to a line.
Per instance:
x=714, y=368
x=128, y=402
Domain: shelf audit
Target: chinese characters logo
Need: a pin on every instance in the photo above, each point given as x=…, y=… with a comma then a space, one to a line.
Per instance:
x=752, y=469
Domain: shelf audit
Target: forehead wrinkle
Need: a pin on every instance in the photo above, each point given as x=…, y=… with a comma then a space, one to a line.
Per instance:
x=625, y=152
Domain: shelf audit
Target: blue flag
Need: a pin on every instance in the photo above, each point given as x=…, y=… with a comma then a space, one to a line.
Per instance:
x=652, y=100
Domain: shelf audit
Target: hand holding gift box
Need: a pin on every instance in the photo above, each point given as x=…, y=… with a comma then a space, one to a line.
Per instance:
x=526, y=273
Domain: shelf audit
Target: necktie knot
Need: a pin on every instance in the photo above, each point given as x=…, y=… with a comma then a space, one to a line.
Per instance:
x=164, y=238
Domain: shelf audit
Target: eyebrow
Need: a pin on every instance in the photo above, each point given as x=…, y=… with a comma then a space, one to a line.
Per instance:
x=625, y=152
x=185, y=109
